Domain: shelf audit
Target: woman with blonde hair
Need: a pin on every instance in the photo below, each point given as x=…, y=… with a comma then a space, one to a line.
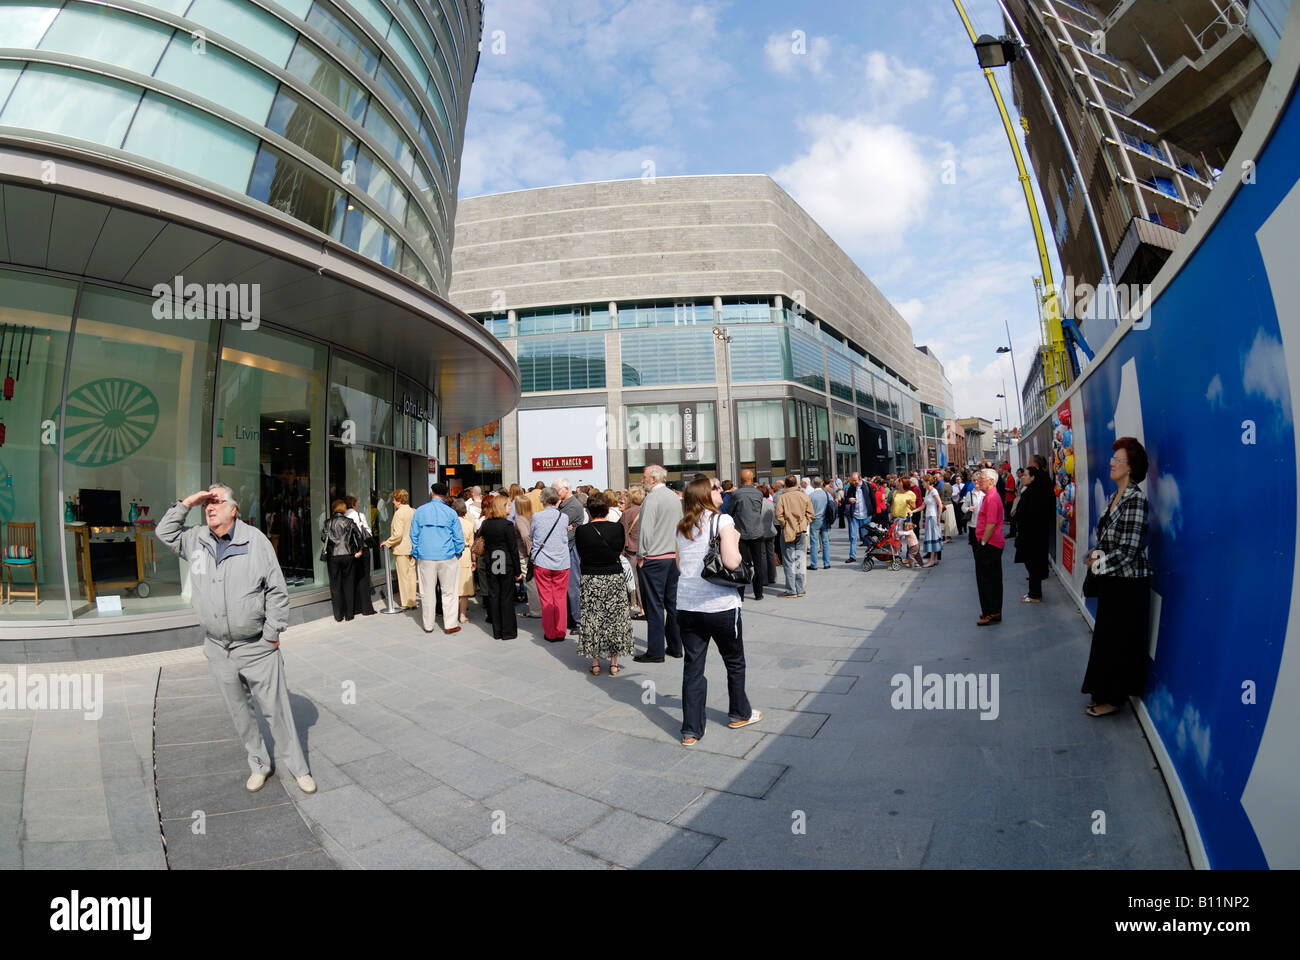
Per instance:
x=628, y=519
x=524, y=529
x=615, y=511
x=400, y=543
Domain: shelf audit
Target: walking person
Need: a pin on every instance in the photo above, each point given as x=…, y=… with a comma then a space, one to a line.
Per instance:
x=854, y=491
x=238, y=590
x=437, y=541
x=606, y=630
x=524, y=531
x=1117, y=565
x=342, y=547
x=988, y=551
x=819, y=532
x=361, y=565
x=947, y=519
x=657, y=567
x=1035, y=510
x=575, y=516
x=550, y=563
x=932, y=540
x=499, y=559
x=746, y=510
x=794, y=512
x=709, y=611
x=399, y=542
x=630, y=521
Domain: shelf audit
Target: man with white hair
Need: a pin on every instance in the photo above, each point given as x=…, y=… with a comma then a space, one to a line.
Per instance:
x=988, y=549
x=474, y=504
x=576, y=515
x=656, y=557
x=238, y=590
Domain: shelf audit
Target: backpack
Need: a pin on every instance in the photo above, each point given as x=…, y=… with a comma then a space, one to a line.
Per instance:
x=831, y=512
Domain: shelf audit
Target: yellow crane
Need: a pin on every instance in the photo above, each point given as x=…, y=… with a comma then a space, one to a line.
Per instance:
x=1056, y=362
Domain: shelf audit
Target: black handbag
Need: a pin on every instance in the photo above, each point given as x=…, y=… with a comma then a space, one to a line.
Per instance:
x=532, y=557
x=714, y=571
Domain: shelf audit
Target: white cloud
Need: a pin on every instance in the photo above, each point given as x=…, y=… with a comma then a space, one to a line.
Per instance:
x=953, y=106
x=1214, y=393
x=1166, y=502
x=911, y=310
x=1193, y=732
x=786, y=53
x=1264, y=372
x=893, y=84
x=864, y=183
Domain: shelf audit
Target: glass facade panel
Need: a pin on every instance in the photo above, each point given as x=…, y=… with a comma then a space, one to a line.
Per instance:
x=841, y=376
x=9, y=72
x=747, y=312
x=375, y=13
x=381, y=125
x=431, y=141
x=895, y=403
x=310, y=65
x=654, y=435
x=298, y=8
x=424, y=183
x=652, y=358
x=574, y=362
x=762, y=420
x=401, y=43
x=35, y=311
x=75, y=104
x=361, y=395
x=806, y=357
x=291, y=188
x=397, y=91
x=23, y=24
x=303, y=124
x=102, y=33
x=427, y=37
x=378, y=181
x=218, y=76
x=368, y=236
x=417, y=224
x=139, y=416
x=338, y=31
x=271, y=442
x=248, y=25
x=170, y=132
x=413, y=410
x=367, y=474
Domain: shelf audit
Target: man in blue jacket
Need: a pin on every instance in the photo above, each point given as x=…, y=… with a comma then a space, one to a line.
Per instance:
x=436, y=545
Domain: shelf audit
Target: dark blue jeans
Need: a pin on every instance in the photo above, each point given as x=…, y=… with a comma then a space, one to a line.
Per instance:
x=819, y=535
x=658, y=582
x=724, y=630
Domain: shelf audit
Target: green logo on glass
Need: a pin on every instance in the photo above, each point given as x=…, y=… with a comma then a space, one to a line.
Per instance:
x=108, y=420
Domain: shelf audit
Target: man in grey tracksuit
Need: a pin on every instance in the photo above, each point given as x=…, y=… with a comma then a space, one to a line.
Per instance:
x=238, y=589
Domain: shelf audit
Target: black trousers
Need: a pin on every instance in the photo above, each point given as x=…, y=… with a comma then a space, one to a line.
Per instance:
x=501, y=605
x=697, y=630
x=658, y=582
x=1117, y=663
x=754, y=552
x=343, y=591
x=988, y=578
x=361, y=584
x=770, y=558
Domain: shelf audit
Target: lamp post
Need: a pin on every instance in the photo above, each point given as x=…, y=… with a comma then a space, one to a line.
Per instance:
x=724, y=338
x=1020, y=407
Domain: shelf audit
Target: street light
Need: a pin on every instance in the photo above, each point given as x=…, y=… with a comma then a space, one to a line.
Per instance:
x=1020, y=407
x=724, y=338
x=996, y=51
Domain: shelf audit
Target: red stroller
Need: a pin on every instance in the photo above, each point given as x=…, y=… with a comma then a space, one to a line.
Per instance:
x=885, y=545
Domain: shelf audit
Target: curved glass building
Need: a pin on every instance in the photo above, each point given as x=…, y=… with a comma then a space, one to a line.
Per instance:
x=225, y=247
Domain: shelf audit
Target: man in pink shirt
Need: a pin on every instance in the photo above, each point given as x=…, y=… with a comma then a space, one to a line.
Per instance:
x=988, y=550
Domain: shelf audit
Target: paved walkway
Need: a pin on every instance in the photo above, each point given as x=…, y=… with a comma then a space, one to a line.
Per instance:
x=463, y=751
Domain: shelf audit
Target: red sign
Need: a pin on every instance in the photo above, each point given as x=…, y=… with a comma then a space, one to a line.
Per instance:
x=433, y=465
x=541, y=464
x=1067, y=554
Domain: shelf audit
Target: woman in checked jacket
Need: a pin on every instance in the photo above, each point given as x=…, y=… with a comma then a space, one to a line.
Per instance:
x=1117, y=666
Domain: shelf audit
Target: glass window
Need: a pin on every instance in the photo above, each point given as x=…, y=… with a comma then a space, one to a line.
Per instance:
x=399, y=93
x=361, y=401
x=375, y=13
x=401, y=43
x=572, y=362
x=310, y=65
x=303, y=124
x=413, y=269
x=431, y=141
x=292, y=188
x=247, y=25
x=174, y=133
x=412, y=412
x=659, y=358
x=417, y=224
x=36, y=311
x=382, y=126
x=378, y=181
x=659, y=428
x=759, y=353
x=762, y=420
x=806, y=357
x=895, y=403
x=428, y=38
x=9, y=72
x=218, y=76
x=23, y=24
x=271, y=442
x=75, y=104
x=368, y=236
x=339, y=32
x=102, y=33
x=424, y=183
x=743, y=312
x=139, y=420
x=841, y=376
x=298, y=8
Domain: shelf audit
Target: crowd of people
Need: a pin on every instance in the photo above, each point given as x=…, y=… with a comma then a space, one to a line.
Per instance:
x=590, y=562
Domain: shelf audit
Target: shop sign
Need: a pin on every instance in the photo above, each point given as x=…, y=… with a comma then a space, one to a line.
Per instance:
x=690, y=448
x=561, y=463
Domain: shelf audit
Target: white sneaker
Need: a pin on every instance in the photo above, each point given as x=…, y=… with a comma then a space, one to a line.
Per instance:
x=306, y=784
x=257, y=781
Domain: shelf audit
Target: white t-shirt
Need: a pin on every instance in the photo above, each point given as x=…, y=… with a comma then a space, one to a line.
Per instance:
x=693, y=591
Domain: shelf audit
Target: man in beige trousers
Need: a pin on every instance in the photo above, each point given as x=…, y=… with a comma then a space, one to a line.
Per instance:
x=794, y=512
x=400, y=544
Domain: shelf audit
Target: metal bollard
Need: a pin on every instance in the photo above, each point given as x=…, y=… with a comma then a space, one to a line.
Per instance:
x=388, y=581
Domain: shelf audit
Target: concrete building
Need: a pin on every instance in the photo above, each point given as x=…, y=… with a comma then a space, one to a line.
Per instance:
x=608, y=295
x=1153, y=97
x=225, y=234
x=933, y=384
x=981, y=444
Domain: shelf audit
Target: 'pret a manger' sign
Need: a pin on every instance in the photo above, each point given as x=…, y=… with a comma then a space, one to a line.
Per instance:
x=561, y=463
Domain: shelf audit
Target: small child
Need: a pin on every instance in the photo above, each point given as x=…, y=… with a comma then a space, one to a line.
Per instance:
x=911, y=546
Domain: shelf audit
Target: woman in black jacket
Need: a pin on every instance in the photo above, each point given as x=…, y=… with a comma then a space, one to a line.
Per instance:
x=499, y=565
x=342, y=549
x=1035, y=520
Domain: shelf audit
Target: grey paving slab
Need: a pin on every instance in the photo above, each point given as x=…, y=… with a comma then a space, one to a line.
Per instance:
x=409, y=850
x=631, y=841
x=522, y=849
x=442, y=814
x=551, y=810
x=79, y=855
x=353, y=816
x=238, y=838
x=13, y=754
x=388, y=777
x=656, y=798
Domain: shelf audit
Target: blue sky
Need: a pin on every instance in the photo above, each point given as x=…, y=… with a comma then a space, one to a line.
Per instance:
x=857, y=116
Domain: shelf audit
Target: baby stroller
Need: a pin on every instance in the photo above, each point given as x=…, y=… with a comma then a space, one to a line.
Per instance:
x=884, y=544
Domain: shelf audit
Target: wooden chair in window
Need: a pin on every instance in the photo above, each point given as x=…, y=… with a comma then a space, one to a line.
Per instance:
x=19, y=552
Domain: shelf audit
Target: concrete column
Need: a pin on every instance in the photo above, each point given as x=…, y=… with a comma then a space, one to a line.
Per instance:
x=510, y=427
x=615, y=422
